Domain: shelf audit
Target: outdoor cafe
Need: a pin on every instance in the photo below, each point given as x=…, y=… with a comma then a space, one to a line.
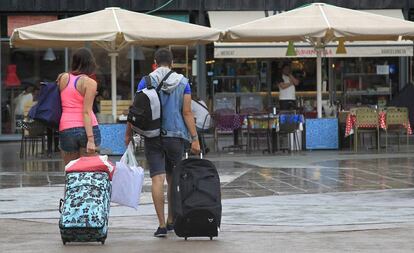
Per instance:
x=344, y=93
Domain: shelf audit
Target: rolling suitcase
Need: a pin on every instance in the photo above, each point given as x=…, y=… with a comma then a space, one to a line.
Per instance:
x=85, y=208
x=196, y=199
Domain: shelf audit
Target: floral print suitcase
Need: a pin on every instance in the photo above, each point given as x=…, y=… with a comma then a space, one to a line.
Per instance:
x=85, y=209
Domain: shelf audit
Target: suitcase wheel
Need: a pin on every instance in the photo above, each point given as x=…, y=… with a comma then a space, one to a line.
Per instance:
x=103, y=242
x=64, y=242
x=185, y=238
x=211, y=238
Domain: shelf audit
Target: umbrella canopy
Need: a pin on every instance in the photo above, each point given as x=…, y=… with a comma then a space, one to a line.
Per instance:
x=322, y=22
x=112, y=29
x=319, y=24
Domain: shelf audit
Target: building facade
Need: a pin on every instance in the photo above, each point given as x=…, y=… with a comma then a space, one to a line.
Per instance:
x=215, y=69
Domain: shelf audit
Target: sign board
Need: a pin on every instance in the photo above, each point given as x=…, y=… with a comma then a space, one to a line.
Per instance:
x=304, y=50
x=383, y=69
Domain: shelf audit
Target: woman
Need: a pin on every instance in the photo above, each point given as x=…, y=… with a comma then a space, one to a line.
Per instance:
x=78, y=129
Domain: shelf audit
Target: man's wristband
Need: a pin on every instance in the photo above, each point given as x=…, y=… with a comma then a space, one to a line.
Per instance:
x=194, y=138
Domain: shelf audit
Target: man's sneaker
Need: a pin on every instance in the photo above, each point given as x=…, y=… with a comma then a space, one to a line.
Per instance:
x=161, y=232
x=170, y=227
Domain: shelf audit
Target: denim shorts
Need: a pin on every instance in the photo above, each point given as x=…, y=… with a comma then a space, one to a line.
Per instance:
x=73, y=139
x=163, y=154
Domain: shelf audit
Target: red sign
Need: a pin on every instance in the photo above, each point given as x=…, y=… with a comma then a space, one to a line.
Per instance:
x=14, y=22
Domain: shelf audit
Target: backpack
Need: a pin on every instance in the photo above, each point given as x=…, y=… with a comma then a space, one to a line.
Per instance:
x=48, y=108
x=145, y=113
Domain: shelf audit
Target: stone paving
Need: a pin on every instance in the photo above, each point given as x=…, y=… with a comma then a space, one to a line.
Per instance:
x=337, y=200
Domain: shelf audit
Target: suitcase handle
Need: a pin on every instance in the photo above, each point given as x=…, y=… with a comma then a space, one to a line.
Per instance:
x=60, y=205
x=186, y=155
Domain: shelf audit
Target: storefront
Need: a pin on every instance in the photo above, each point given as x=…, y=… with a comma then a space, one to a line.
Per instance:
x=234, y=69
x=23, y=70
x=368, y=73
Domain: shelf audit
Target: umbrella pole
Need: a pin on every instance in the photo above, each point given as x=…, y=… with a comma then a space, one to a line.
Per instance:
x=319, y=81
x=113, y=83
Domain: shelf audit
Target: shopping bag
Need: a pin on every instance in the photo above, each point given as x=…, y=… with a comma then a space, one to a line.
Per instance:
x=127, y=180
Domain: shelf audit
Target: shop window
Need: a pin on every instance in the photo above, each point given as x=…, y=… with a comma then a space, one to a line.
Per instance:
x=31, y=68
x=365, y=81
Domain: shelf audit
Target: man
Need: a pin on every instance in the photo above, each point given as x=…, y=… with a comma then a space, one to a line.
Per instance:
x=164, y=153
x=287, y=90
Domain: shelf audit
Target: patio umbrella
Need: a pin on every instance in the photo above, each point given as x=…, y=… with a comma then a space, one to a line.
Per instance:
x=112, y=29
x=318, y=24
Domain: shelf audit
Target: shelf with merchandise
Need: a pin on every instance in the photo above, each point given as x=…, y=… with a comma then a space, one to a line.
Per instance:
x=366, y=84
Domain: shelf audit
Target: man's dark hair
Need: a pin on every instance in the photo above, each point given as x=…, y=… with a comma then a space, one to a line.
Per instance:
x=163, y=56
x=83, y=62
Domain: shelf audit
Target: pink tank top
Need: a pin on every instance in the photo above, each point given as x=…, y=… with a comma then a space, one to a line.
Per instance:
x=72, y=106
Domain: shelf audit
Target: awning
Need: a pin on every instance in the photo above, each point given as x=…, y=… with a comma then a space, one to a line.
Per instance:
x=225, y=19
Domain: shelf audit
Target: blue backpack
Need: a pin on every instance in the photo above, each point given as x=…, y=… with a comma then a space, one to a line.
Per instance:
x=49, y=107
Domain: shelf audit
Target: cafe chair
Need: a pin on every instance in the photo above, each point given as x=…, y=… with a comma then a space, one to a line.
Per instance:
x=33, y=134
x=226, y=122
x=366, y=122
x=259, y=128
x=289, y=126
x=249, y=110
x=250, y=104
x=105, y=115
x=396, y=119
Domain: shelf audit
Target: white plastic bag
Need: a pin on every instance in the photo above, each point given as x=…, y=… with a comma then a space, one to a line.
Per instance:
x=127, y=180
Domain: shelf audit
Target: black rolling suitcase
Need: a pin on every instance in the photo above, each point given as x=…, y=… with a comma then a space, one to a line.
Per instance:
x=196, y=199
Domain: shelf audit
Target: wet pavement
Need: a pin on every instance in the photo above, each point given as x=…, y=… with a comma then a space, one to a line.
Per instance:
x=242, y=178
x=325, y=201
x=249, y=175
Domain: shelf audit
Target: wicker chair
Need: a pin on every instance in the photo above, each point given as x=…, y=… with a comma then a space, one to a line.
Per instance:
x=366, y=122
x=396, y=118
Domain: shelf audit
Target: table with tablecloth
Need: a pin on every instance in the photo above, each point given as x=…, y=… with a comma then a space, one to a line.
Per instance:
x=263, y=121
x=229, y=122
x=382, y=121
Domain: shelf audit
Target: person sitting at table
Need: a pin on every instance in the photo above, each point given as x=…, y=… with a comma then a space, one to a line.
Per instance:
x=22, y=99
x=202, y=117
x=287, y=90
